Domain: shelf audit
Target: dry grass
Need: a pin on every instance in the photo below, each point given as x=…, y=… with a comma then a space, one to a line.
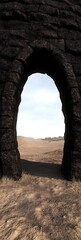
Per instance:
x=41, y=205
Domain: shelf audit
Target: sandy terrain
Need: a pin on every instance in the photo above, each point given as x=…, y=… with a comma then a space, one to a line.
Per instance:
x=41, y=205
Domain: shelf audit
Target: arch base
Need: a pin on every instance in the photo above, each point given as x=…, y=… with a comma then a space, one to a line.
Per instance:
x=10, y=165
x=71, y=170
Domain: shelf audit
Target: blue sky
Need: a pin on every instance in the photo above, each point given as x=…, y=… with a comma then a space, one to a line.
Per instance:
x=40, y=113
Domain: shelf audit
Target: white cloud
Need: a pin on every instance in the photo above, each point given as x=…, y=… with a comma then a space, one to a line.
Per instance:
x=45, y=96
x=39, y=129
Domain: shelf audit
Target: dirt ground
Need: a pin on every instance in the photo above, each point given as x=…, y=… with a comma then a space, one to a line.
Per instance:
x=41, y=205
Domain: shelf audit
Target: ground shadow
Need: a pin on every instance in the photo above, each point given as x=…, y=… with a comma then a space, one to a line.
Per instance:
x=42, y=169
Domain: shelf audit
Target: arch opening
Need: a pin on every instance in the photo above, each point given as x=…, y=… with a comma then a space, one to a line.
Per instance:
x=42, y=131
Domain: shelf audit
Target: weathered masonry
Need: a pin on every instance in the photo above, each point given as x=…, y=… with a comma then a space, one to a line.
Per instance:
x=40, y=36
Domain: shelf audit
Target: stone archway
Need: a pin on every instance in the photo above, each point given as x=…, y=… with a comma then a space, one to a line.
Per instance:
x=45, y=59
x=42, y=36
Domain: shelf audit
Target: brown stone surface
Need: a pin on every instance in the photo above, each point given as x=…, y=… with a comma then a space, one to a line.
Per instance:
x=40, y=36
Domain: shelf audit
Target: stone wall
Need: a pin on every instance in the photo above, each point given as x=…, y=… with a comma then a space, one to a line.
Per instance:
x=40, y=36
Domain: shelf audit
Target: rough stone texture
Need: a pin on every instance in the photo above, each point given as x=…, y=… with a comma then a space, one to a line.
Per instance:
x=40, y=36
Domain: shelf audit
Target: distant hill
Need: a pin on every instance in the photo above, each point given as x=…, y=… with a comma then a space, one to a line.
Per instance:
x=53, y=138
